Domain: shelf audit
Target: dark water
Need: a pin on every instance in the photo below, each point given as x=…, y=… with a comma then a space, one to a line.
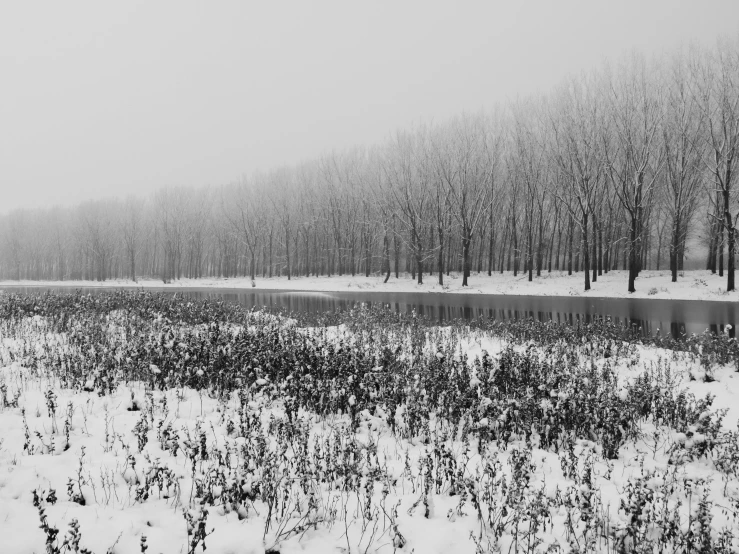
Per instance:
x=667, y=316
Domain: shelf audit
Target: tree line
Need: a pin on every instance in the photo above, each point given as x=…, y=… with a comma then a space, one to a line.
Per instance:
x=617, y=168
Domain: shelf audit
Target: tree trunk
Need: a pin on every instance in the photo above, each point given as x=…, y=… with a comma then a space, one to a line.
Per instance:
x=633, y=253
x=270, y=253
x=720, y=248
x=466, y=240
x=396, y=249
x=440, y=230
x=480, y=250
x=514, y=246
x=674, y=246
x=530, y=253
x=711, y=258
x=600, y=247
x=133, y=265
x=540, y=250
x=490, y=247
x=253, y=264
x=418, y=255
x=386, y=257
x=570, y=238
x=502, y=250
x=730, y=235
x=287, y=253
x=586, y=253
x=353, y=259
x=559, y=245
x=367, y=256
x=595, y=250
x=307, y=254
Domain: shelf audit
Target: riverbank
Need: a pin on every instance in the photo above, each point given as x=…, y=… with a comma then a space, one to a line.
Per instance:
x=691, y=285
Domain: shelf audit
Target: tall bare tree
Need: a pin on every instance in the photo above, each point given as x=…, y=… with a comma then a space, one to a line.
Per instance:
x=467, y=154
x=682, y=129
x=716, y=83
x=576, y=120
x=131, y=229
x=632, y=151
x=407, y=181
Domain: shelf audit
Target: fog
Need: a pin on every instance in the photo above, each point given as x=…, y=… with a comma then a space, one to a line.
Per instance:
x=101, y=99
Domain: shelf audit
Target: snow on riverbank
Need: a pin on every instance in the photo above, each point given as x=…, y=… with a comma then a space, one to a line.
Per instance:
x=114, y=464
x=692, y=285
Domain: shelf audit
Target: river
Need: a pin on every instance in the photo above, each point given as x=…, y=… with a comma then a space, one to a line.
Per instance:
x=667, y=316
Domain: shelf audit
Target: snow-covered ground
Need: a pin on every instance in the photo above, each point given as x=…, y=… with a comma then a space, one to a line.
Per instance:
x=110, y=460
x=691, y=285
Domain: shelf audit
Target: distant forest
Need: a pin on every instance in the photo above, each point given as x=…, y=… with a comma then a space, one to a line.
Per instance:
x=618, y=168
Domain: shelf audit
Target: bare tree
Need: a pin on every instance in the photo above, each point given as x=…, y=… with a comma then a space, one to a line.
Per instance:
x=466, y=155
x=15, y=229
x=634, y=157
x=529, y=169
x=576, y=122
x=407, y=182
x=240, y=207
x=682, y=128
x=717, y=90
x=131, y=228
x=282, y=198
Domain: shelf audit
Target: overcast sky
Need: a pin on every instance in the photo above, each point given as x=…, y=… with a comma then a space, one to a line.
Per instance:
x=100, y=99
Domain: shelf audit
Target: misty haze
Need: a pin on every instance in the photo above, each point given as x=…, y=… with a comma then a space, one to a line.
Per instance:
x=369, y=278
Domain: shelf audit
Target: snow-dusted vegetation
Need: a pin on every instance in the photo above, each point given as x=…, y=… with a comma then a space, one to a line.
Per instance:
x=135, y=423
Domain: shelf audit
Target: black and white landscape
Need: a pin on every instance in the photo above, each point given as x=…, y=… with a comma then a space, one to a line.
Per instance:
x=274, y=278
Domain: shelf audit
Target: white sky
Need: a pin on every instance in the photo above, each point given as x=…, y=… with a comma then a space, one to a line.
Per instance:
x=100, y=98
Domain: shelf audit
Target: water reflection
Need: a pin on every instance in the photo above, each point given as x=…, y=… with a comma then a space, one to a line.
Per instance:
x=676, y=317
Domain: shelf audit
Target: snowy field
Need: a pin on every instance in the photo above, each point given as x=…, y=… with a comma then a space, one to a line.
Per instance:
x=127, y=432
x=691, y=285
